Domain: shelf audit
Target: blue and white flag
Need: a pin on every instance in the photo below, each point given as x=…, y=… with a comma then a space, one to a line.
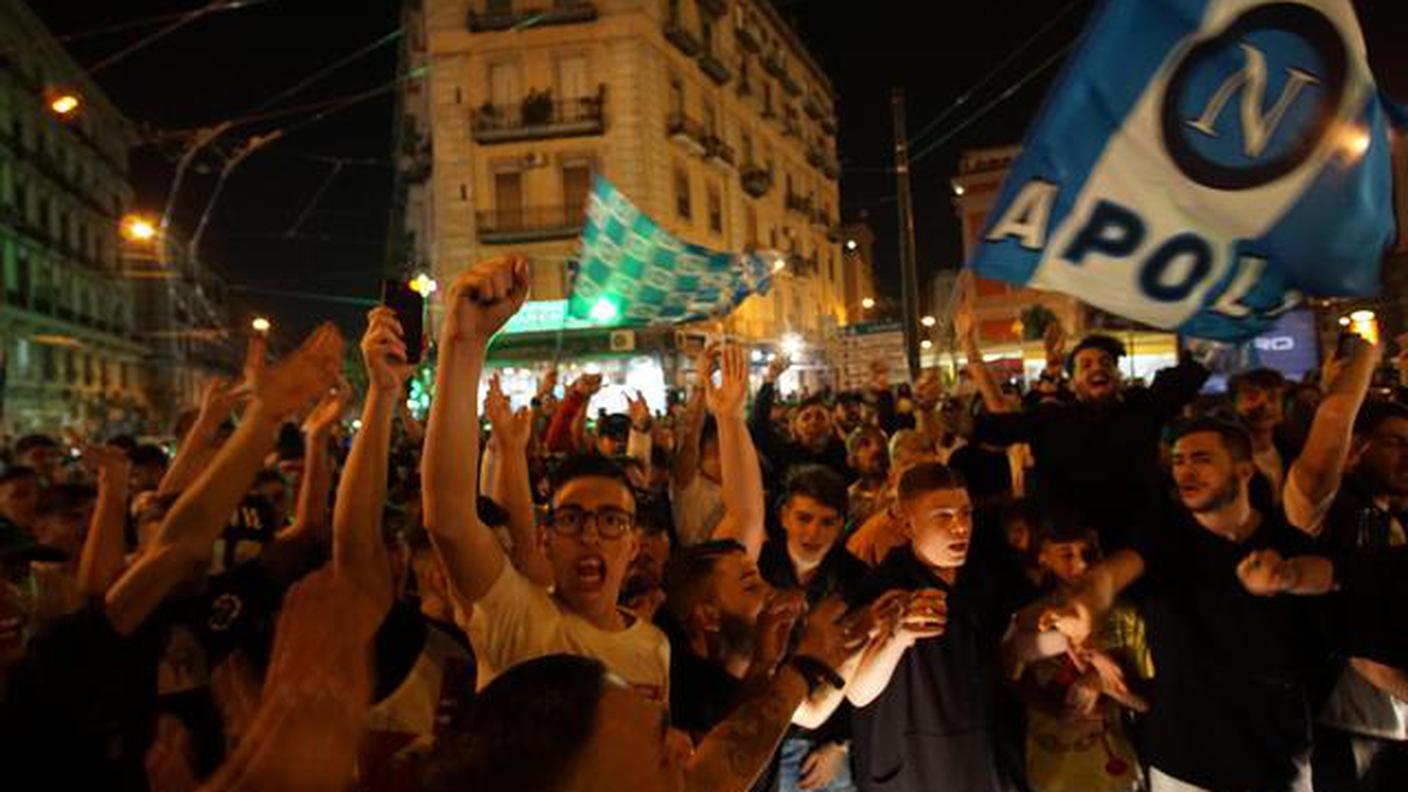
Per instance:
x=1202, y=165
x=632, y=271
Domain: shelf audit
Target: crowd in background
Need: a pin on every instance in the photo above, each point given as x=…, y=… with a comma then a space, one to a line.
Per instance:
x=1081, y=585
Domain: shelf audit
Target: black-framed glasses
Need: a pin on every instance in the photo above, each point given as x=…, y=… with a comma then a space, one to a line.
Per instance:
x=610, y=523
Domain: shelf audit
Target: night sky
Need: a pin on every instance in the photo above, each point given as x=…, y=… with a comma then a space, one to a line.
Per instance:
x=227, y=64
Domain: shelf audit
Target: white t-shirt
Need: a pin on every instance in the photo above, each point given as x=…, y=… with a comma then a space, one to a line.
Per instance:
x=518, y=621
x=697, y=510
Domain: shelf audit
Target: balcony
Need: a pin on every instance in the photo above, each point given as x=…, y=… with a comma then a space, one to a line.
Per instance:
x=812, y=107
x=540, y=116
x=799, y=204
x=828, y=125
x=716, y=7
x=755, y=179
x=773, y=63
x=747, y=39
x=717, y=152
x=820, y=219
x=683, y=129
x=791, y=127
x=790, y=84
x=684, y=40
x=530, y=224
x=815, y=156
x=715, y=68
x=503, y=16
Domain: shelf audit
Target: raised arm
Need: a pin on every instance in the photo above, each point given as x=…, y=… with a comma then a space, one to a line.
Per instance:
x=685, y=465
x=198, y=446
x=311, y=518
x=914, y=616
x=967, y=332
x=186, y=536
x=358, y=551
x=760, y=420
x=742, y=485
x=1093, y=597
x=479, y=302
x=560, y=436
x=510, y=485
x=1315, y=475
x=101, y=562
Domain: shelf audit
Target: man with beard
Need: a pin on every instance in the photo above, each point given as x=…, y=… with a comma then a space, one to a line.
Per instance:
x=1098, y=455
x=1348, y=488
x=868, y=456
x=814, y=439
x=1230, y=705
x=588, y=537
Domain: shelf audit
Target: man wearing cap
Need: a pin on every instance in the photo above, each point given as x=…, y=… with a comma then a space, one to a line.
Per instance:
x=1099, y=453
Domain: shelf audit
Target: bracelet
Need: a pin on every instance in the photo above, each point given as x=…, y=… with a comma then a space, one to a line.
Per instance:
x=815, y=672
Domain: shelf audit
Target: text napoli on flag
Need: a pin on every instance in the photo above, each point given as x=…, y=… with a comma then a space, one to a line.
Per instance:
x=631, y=271
x=1202, y=165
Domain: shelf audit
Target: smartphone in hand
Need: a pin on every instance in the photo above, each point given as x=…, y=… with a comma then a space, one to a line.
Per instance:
x=409, y=306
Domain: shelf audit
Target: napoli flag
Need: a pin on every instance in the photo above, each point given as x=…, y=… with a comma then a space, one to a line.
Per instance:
x=1203, y=165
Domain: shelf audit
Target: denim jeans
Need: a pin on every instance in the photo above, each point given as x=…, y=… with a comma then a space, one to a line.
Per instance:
x=794, y=752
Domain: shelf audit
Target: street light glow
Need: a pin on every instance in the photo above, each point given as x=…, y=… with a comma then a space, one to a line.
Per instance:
x=138, y=228
x=926, y=344
x=1355, y=142
x=868, y=303
x=757, y=356
x=779, y=264
x=423, y=284
x=928, y=321
x=958, y=189
x=851, y=244
x=792, y=345
x=63, y=104
x=261, y=325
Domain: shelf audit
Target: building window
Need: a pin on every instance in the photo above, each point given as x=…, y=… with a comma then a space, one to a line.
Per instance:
x=751, y=219
x=87, y=369
x=50, y=365
x=70, y=367
x=508, y=199
x=503, y=84
x=576, y=185
x=747, y=145
x=122, y=375
x=572, y=77
x=676, y=95
x=711, y=119
x=498, y=6
x=682, y=207
x=767, y=97
x=716, y=210
x=706, y=34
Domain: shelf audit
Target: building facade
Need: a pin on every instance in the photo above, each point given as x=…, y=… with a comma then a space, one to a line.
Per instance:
x=858, y=274
x=182, y=316
x=709, y=114
x=72, y=358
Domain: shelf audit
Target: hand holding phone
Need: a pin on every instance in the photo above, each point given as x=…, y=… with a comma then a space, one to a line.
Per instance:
x=409, y=306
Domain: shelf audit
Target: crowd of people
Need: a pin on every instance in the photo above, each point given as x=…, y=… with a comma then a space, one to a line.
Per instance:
x=1084, y=585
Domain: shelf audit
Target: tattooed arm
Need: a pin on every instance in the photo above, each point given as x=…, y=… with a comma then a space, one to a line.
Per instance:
x=730, y=758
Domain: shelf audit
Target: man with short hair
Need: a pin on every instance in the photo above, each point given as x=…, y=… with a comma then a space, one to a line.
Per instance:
x=927, y=708
x=1230, y=706
x=19, y=501
x=1098, y=455
x=1348, y=488
x=149, y=465
x=41, y=454
x=589, y=535
x=1258, y=396
x=814, y=440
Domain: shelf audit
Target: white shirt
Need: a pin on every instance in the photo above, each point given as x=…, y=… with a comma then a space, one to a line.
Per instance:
x=518, y=621
x=697, y=510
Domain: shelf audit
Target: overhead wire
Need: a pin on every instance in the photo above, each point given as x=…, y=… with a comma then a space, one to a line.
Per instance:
x=121, y=27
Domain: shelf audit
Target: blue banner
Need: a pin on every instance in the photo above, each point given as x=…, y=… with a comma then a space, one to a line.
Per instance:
x=1203, y=165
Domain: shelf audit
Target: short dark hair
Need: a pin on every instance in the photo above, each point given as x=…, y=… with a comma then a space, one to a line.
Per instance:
x=148, y=454
x=814, y=400
x=524, y=731
x=1098, y=341
x=1260, y=379
x=927, y=477
x=576, y=466
x=689, y=572
x=818, y=482
x=1235, y=437
x=16, y=473
x=1374, y=412
x=66, y=498
x=32, y=441
x=1062, y=525
x=653, y=514
x=490, y=512
x=124, y=441
x=615, y=425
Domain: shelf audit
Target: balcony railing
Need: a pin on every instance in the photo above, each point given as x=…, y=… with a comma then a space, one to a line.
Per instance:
x=828, y=125
x=679, y=35
x=747, y=38
x=715, y=7
x=686, y=130
x=815, y=156
x=798, y=203
x=812, y=107
x=755, y=179
x=718, y=152
x=540, y=116
x=530, y=223
x=715, y=68
x=790, y=84
x=560, y=12
x=773, y=63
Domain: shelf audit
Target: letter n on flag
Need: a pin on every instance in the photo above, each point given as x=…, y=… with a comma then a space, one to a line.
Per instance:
x=1203, y=165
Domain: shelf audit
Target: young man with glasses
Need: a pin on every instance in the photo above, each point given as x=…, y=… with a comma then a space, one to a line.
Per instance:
x=588, y=538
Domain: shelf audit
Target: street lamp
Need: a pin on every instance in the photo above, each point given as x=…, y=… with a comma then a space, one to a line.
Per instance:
x=261, y=325
x=851, y=244
x=64, y=104
x=928, y=321
x=867, y=303
x=779, y=264
x=792, y=345
x=136, y=228
x=926, y=344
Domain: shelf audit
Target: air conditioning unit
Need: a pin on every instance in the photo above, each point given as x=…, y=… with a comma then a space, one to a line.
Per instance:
x=623, y=340
x=535, y=159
